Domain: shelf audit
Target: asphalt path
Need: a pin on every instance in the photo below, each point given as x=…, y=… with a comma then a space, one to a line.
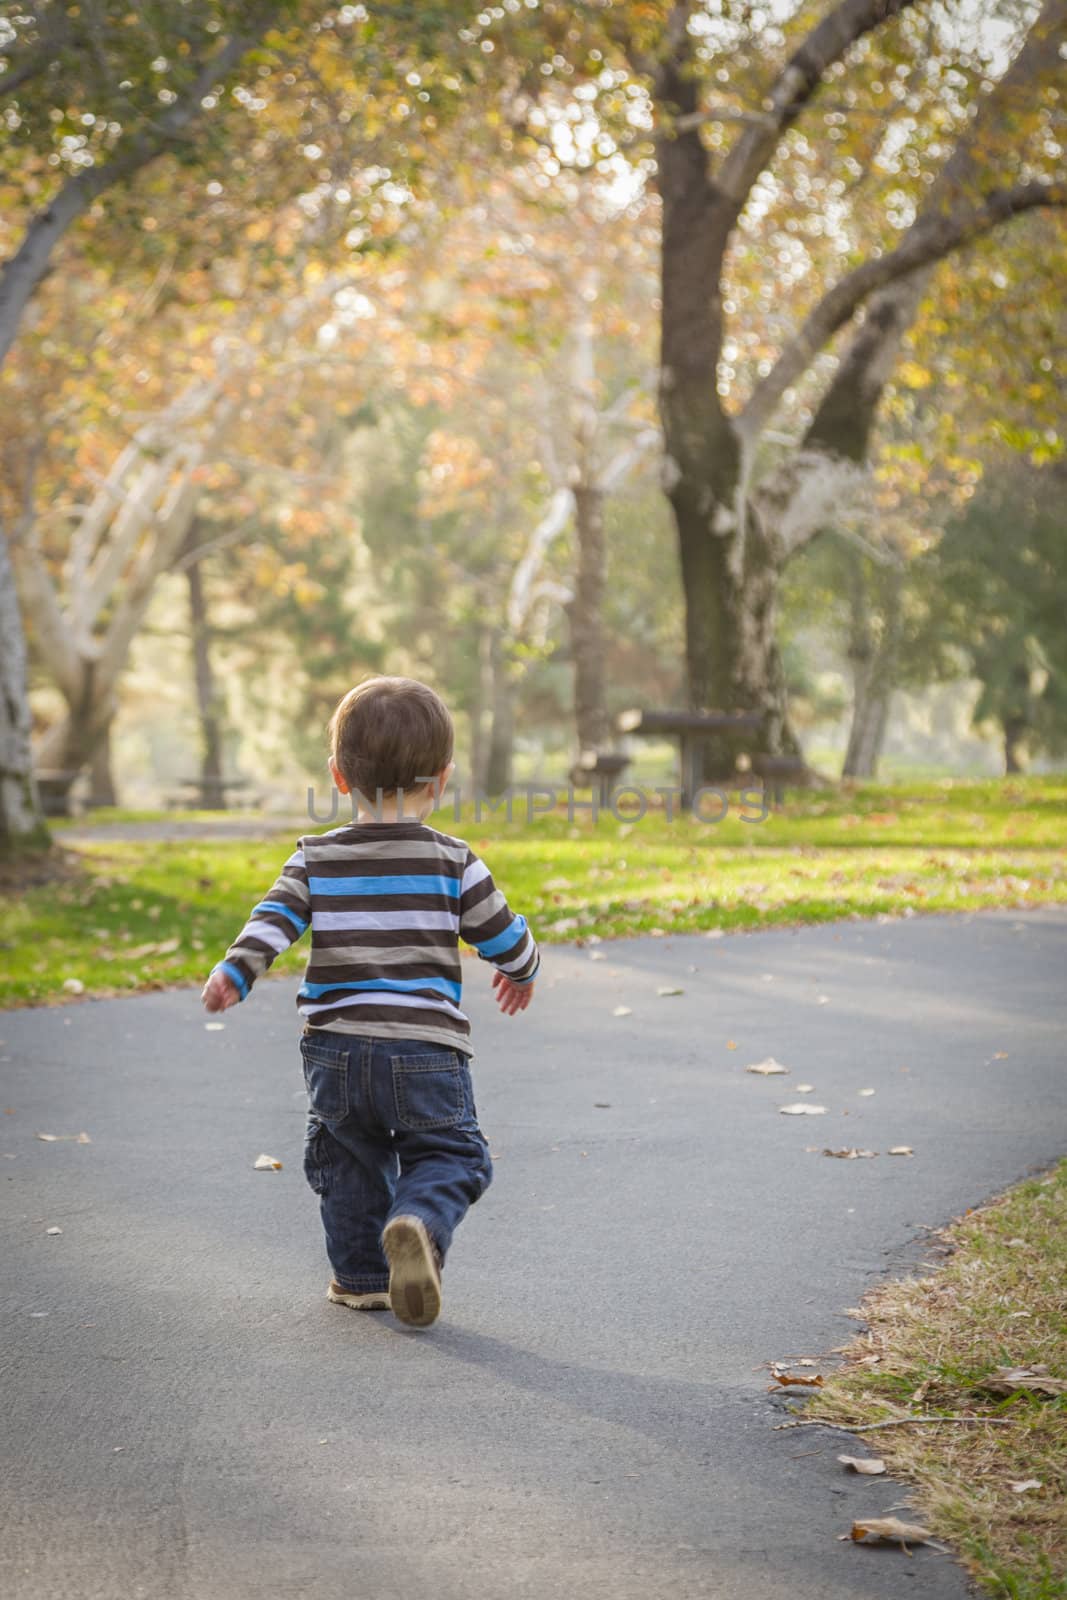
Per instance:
x=185, y=1417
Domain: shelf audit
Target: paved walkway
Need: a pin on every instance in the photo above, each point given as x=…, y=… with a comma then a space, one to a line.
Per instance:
x=185, y=1417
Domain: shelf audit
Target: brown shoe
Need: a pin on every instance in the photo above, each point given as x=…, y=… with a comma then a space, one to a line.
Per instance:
x=414, y=1271
x=378, y=1301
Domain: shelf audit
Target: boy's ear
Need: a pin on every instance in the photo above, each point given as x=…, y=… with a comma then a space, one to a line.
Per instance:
x=440, y=783
x=338, y=777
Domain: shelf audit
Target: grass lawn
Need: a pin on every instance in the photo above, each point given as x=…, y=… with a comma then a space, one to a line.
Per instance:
x=143, y=914
x=1000, y=1302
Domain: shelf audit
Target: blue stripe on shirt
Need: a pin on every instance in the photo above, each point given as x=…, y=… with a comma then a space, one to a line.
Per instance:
x=402, y=883
x=286, y=911
x=312, y=991
x=235, y=975
x=503, y=941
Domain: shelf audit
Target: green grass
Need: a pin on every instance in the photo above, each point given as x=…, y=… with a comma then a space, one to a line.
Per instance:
x=950, y=847
x=998, y=1302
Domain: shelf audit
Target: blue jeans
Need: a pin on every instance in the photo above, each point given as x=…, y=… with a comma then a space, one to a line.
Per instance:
x=392, y=1130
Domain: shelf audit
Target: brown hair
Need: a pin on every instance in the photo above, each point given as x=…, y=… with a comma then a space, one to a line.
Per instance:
x=390, y=734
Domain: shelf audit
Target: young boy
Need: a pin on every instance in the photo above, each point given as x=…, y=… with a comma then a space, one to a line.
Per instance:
x=394, y=1150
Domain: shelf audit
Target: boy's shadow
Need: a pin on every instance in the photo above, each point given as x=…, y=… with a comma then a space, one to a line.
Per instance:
x=669, y=1411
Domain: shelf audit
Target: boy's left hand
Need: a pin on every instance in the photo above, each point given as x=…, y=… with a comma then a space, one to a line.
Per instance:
x=511, y=997
x=219, y=993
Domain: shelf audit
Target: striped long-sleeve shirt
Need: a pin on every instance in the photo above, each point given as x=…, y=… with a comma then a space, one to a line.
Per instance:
x=387, y=904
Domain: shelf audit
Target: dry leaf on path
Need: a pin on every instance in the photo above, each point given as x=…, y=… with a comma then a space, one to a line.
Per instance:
x=904, y=1533
x=622, y=1011
x=597, y=955
x=267, y=1164
x=801, y=1380
x=53, y=1230
x=850, y=1153
x=805, y=1088
x=214, y=1027
x=1026, y=1485
x=731, y=1044
x=867, y=1466
x=714, y=933
x=866, y=1093
x=1022, y=1380
x=766, y=1069
x=803, y=1108
x=901, y=1150
x=667, y=989
x=61, y=1138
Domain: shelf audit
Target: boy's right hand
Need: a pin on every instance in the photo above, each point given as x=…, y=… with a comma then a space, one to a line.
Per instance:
x=219, y=993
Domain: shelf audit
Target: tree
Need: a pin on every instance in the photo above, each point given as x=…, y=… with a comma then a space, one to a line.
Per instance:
x=996, y=596
x=736, y=528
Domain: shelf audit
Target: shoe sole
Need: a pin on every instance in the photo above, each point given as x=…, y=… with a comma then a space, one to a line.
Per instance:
x=414, y=1282
x=359, y=1302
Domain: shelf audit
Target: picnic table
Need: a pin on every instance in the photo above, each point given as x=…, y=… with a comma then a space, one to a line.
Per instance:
x=693, y=729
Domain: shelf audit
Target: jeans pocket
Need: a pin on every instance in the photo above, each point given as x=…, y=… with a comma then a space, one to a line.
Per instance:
x=326, y=1078
x=317, y=1157
x=429, y=1090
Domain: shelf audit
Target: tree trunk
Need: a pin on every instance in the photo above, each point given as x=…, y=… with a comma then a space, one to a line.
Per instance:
x=481, y=700
x=873, y=659
x=586, y=617
x=22, y=824
x=67, y=747
x=730, y=565
x=101, y=777
x=502, y=729
x=1014, y=733
x=212, y=792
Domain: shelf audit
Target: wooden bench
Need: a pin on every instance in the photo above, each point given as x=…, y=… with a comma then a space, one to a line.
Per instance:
x=192, y=794
x=692, y=729
x=599, y=769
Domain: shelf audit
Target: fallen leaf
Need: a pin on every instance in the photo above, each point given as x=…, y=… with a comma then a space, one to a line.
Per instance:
x=1025, y=1485
x=802, y=1108
x=73, y=986
x=731, y=1044
x=901, y=1150
x=904, y=1533
x=597, y=955
x=53, y=1230
x=805, y=1088
x=766, y=1069
x=666, y=989
x=1000, y=1055
x=1022, y=1380
x=622, y=1011
x=850, y=1153
x=59, y=1138
x=714, y=933
x=214, y=1027
x=802, y=1380
x=866, y=1092
x=823, y=1000
x=868, y=1466
x=601, y=1105
x=267, y=1164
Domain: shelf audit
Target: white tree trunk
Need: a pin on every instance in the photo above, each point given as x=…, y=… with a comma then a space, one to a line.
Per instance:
x=21, y=822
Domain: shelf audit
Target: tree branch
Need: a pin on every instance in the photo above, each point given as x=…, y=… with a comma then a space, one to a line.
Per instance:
x=24, y=271
x=828, y=41
x=930, y=239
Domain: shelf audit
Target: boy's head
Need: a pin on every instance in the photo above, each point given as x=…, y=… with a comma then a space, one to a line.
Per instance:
x=389, y=734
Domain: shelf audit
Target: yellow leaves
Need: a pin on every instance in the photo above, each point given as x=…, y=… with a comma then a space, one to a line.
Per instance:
x=913, y=376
